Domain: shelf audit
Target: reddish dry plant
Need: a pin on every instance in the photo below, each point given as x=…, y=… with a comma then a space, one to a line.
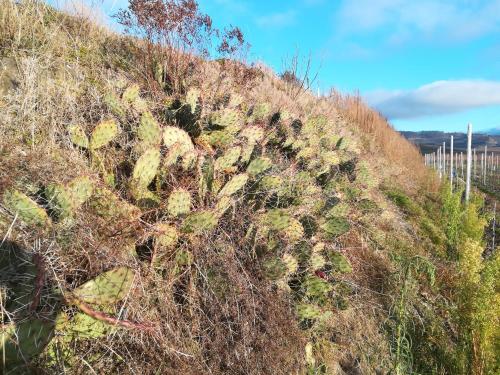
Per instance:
x=176, y=33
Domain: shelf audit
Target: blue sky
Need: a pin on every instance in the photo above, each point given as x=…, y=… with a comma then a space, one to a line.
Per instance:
x=426, y=65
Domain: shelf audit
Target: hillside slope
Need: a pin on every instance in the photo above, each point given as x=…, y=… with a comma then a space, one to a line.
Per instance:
x=226, y=227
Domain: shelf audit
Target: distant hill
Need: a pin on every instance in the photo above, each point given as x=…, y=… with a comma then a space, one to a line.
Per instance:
x=429, y=141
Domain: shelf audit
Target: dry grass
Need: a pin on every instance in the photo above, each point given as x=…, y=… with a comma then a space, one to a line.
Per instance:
x=219, y=315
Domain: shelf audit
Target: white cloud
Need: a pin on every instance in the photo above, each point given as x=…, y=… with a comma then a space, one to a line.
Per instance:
x=450, y=19
x=436, y=98
x=277, y=19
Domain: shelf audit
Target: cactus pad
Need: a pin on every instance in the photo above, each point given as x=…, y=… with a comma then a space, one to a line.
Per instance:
x=260, y=112
x=131, y=94
x=234, y=185
x=114, y=104
x=339, y=262
x=27, y=210
x=78, y=136
x=65, y=200
x=173, y=135
x=106, y=204
x=166, y=236
x=19, y=342
x=229, y=119
x=179, y=202
x=258, y=166
x=145, y=168
x=291, y=263
x=107, y=288
x=103, y=134
x=307, y=311
x=275, y=268
x=335, y=226
x=199, y=222
x=228, y=159
x=149, y=131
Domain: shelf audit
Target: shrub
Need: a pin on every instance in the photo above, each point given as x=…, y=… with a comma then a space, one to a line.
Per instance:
x=176, y=34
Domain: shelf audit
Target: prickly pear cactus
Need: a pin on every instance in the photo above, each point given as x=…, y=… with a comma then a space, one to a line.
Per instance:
x=77, y=136
x=173, y=135
x=22, y=341
x=103, y=134
x=229, y=119
x=108, y=205
x=228, y=159
x=199, y=222
x=193, y=99
x=107, y=288
x=260, y=112
x=146, y=168
x=234, y=185
x=66, y=199
x=130, y=95
x=149, y=131
x=335, y=227
x=258, y=166
x=166, y=236
x=26, y=209
x=115, y=105
x=308, y=311
x=179, y=202
x=339, y=262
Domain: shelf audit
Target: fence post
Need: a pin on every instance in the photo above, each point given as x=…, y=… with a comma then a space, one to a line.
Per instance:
x=443, y=159
x=451, y=164
x=469, y=161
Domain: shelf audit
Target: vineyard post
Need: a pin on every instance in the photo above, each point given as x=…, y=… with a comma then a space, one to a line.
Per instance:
x=485, y=164
x=469, y=157
x=475, y=162
x=451, y=164
x=439, y=162
x=443, y=159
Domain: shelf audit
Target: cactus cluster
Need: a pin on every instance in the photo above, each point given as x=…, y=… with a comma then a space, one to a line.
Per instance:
x=191, y=168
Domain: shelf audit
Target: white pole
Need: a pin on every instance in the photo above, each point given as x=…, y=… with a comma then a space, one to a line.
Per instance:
x=451, y=164
x=439, y=162
x=443, y=156
x=469, y=156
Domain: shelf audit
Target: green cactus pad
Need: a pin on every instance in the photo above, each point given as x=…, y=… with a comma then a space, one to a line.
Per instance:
x=246, y=153
x=199, y=222
x=234, y=185
x=253, y=133
x=291, y=263
x=78, y=136
x=26, y=209
x=222, y=205
x=66, y=199
x=315, y=287
x=60, y=200
x=108, y=205
x=149, y=131
x=83, y=326
x=307, y=311
x=260, y=112
x=277, y=219
x=229, y=119
x=228, y=159
x=270, y=183
x=107, y=288
x=166, y=236
x=339, y=262
x=115, y=105
x=146, y=167
x=22, y=341
x=275, y=268
x=258, y=166
x=103, y=134
x=81, y=189
x=179, y=202
x=131, y=94
x=193, y=99
x=173, y=135
x=294, y=232
x=335, y=226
